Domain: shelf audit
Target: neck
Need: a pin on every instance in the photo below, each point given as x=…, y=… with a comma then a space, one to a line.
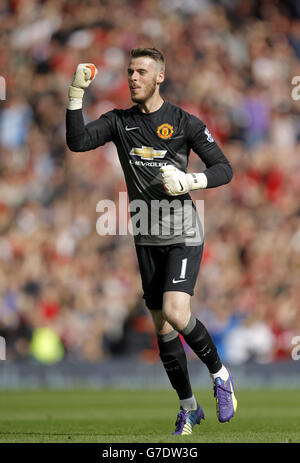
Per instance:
x=152, y=104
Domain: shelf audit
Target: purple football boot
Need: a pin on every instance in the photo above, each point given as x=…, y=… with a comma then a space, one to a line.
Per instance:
x=186, y=420
x=225, y=397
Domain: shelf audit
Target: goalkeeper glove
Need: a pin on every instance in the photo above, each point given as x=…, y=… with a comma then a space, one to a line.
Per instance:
x=176, y=182
x=83, y=76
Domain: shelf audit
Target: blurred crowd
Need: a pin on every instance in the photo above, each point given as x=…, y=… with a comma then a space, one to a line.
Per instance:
x=231, y=63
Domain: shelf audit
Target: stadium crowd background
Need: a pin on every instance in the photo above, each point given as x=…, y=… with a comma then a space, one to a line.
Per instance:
x=228, y=62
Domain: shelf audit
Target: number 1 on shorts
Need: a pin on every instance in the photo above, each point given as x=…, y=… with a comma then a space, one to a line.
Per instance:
x=183, y=268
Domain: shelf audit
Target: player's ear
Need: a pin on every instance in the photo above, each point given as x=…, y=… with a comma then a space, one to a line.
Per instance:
x=160, y=77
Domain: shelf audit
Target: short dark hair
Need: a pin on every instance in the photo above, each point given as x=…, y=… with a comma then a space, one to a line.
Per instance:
x=153, y=53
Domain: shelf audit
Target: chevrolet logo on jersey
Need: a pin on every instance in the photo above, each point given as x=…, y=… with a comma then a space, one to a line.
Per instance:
x=147, y=152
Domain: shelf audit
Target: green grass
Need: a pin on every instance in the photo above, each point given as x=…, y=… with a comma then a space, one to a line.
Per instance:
x=143, y=416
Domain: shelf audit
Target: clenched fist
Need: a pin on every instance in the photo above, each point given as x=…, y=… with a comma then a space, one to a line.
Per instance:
x=83, y=76
x=176, y=182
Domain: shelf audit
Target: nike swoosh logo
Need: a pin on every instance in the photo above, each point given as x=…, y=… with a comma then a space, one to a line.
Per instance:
x=130, y=128
x=180, y=185
x=177, y=281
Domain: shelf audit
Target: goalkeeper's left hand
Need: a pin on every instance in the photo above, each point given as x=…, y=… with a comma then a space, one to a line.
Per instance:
x=176, y=182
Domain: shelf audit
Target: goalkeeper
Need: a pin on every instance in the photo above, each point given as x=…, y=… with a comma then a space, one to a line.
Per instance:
x=153, y=140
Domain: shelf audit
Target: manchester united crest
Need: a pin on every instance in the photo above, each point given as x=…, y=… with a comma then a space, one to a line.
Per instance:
x=165, y=131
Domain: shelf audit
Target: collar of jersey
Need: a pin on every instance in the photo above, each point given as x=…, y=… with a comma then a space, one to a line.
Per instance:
x=153, y=112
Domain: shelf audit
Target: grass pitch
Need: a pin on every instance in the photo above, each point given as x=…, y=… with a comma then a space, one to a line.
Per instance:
x=116, y=416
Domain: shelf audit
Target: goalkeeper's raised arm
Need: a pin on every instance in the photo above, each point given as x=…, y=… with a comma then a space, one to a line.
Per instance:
x=81, y=137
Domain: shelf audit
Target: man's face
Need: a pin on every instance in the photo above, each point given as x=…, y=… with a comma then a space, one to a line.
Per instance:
x=143, y=76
